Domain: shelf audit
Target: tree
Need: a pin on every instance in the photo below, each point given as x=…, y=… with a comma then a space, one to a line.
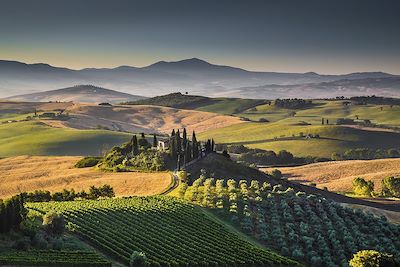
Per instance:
x=54, y=223
x=372, y=258
x=362, y=187
x=173, y=132
x=212, y=145
x=143, y=141
x=178, y=142
x=155, y=140
x=135, y=146
x=184, y=138
x=285, y=156
x=391, y=187
x=138, y=259
x=195, y=146
x=276, y=174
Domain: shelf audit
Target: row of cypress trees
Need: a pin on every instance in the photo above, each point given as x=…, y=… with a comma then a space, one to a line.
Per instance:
x=184, y=150
x=12, y=213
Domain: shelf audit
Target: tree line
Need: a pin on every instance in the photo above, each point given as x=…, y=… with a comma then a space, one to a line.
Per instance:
x=69, y=195
x=367, y=153
x=390, y=187
x=294, y=103
x=12, y=213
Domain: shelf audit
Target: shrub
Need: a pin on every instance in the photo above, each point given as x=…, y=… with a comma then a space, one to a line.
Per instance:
x=276, y=174
x=391, y=187
x=361, y=187
x=372, y=258
x=138, y=259
x=54, y=223
x=87, y=162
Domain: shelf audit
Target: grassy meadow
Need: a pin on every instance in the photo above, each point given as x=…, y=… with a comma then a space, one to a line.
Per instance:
x=283, y=129
x=36, y=138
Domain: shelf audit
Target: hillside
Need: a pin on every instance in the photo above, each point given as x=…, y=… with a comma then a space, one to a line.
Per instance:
x=282, y=135
x=37, y=138
x=284, y=126
x=217, y=105
x=26, y=173
x=143, y=118
x=193, y=75
x=217, y=165
x=338, y=175
x=170, y=232
x=78, y=93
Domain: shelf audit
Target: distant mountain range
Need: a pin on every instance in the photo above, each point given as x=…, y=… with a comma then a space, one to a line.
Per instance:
x=79, y=93
x=196, y=77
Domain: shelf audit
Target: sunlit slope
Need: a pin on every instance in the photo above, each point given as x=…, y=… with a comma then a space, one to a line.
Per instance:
x=339, y=175
x=29, y=173
x=331, y=110
x=285, y=135
x=36, y=138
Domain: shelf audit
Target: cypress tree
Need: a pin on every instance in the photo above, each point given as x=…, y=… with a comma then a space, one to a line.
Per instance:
x=173, y=132
x=184, y=138
x=135, y=146
x=172, y=147
x=154, y=140
x=195, y=146
x=178, y=142
x=188, y=152
x=212, y=145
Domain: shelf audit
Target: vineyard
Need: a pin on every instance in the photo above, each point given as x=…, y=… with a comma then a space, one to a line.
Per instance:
x=307, y=228
x=53, y=258
x=170, y=232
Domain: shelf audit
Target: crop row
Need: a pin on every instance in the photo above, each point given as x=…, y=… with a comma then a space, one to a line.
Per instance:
x=170, y=232
x=53, y=258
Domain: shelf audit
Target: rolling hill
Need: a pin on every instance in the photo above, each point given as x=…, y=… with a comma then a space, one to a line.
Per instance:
x=220, y=105
x=338, y=175
x=79, y=93
x=37, y=138
x=143, y=118
x=29, y=173
x=193, y=75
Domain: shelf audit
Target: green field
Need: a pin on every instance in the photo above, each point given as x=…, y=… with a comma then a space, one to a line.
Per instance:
x=283, y=131
x=169, y=231
x=36, y=138
x=229, y=106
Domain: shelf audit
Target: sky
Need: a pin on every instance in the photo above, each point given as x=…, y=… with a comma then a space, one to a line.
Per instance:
x=323, y=36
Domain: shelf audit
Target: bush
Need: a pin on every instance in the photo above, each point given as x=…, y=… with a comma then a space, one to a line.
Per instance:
x=138, y=259
x=54, y=223
x=361, y=187
x=391, y=187
x=372, y=258
x=87, y=162
x=276, y=174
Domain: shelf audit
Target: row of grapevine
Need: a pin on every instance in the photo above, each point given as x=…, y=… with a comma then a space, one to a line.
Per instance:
x=170, y=232
x=53, y=258
x=308, y=228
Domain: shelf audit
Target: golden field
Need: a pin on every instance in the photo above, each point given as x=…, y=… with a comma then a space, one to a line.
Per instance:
x=29, y=173
x=338, y=175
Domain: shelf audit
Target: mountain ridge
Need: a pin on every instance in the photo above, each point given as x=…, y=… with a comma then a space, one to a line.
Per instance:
x=193, y=75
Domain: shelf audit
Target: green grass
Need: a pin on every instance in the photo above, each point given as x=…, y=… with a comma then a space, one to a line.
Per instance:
x=35, y=138
x=333, y=138
x=170, y=232
x=229, y=106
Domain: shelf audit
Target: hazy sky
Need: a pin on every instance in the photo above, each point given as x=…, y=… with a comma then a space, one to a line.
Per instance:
x=337, y=36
